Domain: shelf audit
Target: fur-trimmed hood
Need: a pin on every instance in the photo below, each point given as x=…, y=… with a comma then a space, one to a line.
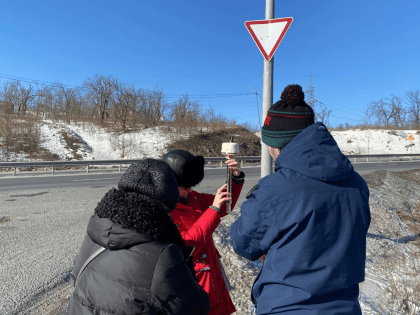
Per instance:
x=123, y=219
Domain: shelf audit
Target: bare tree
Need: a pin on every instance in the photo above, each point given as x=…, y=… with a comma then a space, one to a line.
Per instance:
x=7, y=98
x=383, y=111
x=16, y=97
x=184, y=110
x=413, y=101
x=100, y=91
x=367, y=120
x=399, y=116
x=155, y=106
x=210, y=114
x=137, y=106
x=23, y=97
x=125, y=102
x=66, y=101
x=322, y=113
x=45, y=102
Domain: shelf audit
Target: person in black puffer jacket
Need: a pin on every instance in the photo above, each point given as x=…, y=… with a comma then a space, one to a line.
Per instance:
x=144, y=268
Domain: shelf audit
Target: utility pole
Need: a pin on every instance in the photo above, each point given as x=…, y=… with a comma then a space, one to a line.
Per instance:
x=266, y=160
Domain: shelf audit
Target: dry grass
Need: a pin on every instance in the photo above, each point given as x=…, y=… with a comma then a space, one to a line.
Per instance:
x=411, y=219
x=401, y=271
x=402, y=290
x=73, y=144
x=385, y=223
x=21, y=135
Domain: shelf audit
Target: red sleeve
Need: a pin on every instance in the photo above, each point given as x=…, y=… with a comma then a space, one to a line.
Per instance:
x=202, y=230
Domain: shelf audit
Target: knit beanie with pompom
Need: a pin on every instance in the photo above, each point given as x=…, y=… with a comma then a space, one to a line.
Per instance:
x=287, y=117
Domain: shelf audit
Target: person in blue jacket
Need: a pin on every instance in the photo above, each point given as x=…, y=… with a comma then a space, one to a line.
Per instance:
x=309, y=218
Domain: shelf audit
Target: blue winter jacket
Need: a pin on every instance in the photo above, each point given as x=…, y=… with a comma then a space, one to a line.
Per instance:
x=310, y=218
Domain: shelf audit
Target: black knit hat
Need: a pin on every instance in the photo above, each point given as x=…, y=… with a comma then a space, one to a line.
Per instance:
x=189, y=169
x=153, y=180
x=287, y=117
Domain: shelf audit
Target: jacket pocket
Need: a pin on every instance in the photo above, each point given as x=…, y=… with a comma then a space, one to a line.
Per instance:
x=207, y=282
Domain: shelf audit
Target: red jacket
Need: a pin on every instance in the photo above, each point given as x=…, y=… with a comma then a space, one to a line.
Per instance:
x=196, y=223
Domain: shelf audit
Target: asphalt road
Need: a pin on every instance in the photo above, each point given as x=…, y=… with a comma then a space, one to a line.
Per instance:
x=110, y=177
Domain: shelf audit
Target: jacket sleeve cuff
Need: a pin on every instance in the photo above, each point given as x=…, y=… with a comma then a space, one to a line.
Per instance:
x=240, y=179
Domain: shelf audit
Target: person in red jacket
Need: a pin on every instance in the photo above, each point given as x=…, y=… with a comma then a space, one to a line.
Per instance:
x=197, y=216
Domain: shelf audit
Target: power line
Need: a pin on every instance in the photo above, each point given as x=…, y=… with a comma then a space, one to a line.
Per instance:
x=340, y=106
x=346, y=118
x=336, y=104
x=9, y=77
x=170, y=95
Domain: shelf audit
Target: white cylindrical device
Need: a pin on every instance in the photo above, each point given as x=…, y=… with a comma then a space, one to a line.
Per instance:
x=229, y=148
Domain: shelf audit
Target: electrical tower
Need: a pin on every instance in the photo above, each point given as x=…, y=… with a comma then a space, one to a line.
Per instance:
x=310, y=94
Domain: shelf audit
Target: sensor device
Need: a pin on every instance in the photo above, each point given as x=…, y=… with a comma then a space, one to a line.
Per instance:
x=229, y=148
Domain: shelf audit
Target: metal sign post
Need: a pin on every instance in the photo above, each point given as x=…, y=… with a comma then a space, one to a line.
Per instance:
x=368, y=135
x=266, y=160
x=268, y=34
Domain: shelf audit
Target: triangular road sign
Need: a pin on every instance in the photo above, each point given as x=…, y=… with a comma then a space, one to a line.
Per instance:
x=268, y=34
x=410, y=137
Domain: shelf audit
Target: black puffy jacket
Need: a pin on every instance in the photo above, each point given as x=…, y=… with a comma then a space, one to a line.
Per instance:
x=138, y=276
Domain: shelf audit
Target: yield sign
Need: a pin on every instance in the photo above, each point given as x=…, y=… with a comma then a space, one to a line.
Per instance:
x=268, y=34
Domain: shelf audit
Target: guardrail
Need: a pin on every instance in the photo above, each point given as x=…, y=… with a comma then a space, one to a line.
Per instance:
x=53, y=164
x=88, y=163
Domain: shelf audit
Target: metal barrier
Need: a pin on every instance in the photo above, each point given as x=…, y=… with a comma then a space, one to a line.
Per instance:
x=53, y=164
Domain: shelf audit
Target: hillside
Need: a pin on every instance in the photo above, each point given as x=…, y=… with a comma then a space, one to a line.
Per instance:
x=209, y=144
x=86, y=142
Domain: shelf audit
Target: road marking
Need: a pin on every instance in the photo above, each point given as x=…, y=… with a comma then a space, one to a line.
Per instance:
x=80, y=180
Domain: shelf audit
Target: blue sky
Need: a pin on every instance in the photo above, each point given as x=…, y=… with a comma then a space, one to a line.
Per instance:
x=356, y=51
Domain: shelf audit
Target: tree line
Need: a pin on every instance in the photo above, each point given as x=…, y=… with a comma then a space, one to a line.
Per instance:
x=395, y=112
x=103, y=100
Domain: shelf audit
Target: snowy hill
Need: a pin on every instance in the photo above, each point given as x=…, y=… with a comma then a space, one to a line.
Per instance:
x=151, y=142
x=89, y=142
x=97, y=143
x=375, y=141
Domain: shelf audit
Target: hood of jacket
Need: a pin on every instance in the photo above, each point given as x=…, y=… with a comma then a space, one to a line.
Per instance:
x=112, y=235
x=314, y=153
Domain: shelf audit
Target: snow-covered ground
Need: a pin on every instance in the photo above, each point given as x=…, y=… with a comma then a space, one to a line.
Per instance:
x=376, y=141
x=100, y=144
x=103, y=145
